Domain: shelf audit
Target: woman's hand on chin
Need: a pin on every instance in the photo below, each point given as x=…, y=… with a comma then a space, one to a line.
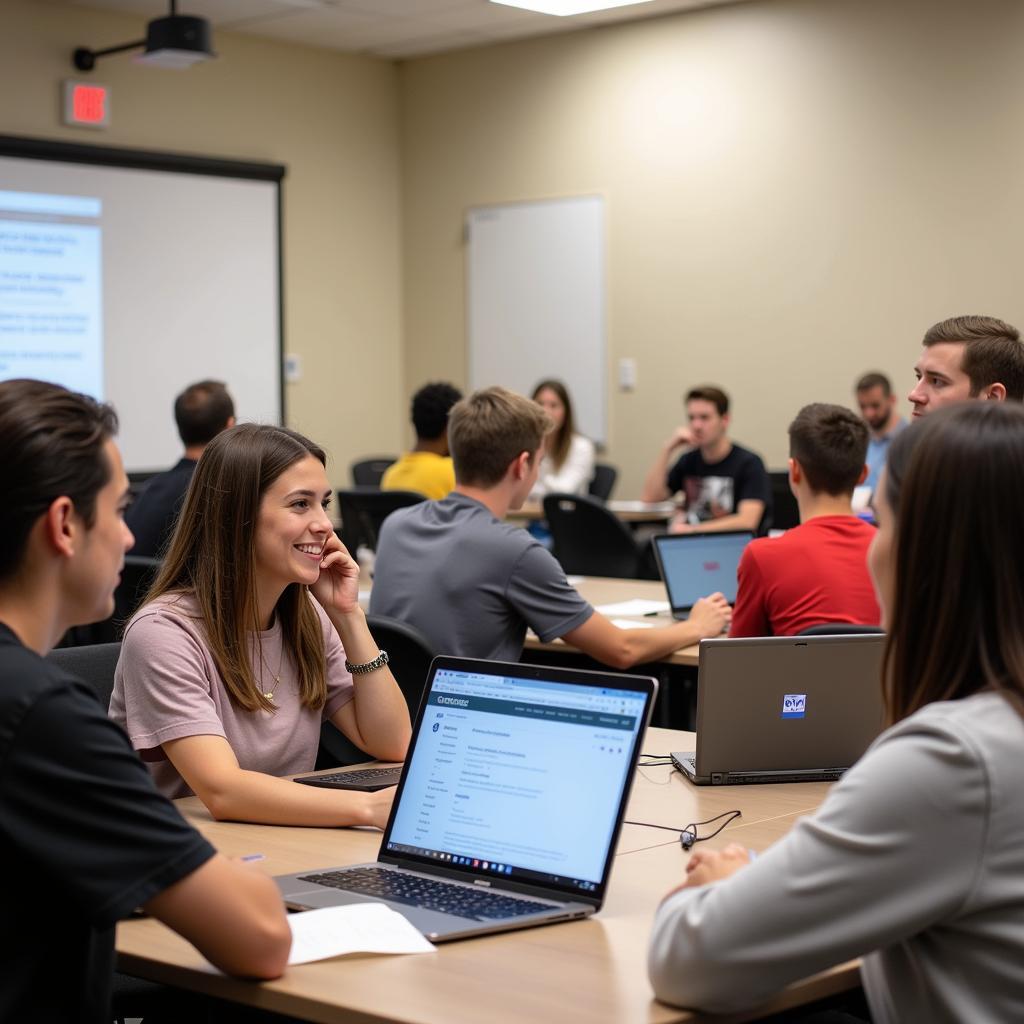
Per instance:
x=337, y=589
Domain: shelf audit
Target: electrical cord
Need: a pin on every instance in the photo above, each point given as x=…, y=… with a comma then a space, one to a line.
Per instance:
x=688, y=833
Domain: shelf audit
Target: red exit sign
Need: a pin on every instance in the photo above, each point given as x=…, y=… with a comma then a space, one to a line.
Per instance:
x=86, y=104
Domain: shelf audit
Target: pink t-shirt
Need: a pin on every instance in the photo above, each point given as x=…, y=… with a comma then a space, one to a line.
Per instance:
x=166, y=687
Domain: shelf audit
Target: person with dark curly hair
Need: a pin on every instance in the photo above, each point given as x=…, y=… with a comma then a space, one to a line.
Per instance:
x=428, y=467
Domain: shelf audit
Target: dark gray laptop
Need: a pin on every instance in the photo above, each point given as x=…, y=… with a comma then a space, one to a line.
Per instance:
x=510, y=801
x=694, y=565
x=784, y=709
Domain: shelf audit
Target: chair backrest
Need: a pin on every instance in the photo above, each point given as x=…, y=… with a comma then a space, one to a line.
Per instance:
x=93, y=664
x=839, y=629
x=588, y=539
x=603, y=482
x=785, y=513
x=136, y=578
x=363, y=509
x=409, y=656
x=138, y=573
x=367, y=472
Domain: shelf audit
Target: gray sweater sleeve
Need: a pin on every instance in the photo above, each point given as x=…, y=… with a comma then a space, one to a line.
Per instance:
x=895, y=848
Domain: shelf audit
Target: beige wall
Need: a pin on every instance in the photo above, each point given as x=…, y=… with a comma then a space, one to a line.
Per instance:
x=332, y=119
x=795, y=190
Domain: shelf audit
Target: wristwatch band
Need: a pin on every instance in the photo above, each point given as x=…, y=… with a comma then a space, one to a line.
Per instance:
x=370, y=666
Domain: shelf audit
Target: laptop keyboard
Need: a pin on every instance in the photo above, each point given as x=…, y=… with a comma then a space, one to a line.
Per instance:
x=428, y=893
x=359, y=775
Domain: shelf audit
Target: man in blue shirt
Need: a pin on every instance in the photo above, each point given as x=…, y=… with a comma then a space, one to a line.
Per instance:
x=878, y=410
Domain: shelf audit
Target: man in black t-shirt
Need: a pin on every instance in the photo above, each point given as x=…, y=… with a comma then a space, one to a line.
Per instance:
x=85, y=837
x=724, y=486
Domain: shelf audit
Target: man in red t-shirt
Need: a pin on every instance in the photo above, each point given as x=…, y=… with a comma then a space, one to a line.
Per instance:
x=817, y=572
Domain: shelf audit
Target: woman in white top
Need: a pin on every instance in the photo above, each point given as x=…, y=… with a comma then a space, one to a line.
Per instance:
x=915, y=862
x=568, y=463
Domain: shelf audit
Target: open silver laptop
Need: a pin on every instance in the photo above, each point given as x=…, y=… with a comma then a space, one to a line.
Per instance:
x=510, y=801
x=694, y=565
x=784, y=709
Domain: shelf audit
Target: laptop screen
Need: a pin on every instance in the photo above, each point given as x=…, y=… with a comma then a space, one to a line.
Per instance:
x=694, y=565
x=517, y=776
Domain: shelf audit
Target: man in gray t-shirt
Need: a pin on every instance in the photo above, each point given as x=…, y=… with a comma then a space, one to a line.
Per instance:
x=473, y=583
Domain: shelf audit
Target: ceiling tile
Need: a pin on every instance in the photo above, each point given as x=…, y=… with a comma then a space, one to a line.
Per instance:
x=387, y=28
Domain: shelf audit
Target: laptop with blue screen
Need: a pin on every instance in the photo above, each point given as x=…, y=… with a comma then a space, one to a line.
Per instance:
x=694, y=565
x=509, y=805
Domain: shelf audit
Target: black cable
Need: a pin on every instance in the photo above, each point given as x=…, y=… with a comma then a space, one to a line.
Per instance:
x=688, y=834
x=653, y=760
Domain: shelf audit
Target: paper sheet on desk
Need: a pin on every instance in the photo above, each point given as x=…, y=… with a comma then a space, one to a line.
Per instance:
x=632, y=624
x=359, y=928
x=638, y=606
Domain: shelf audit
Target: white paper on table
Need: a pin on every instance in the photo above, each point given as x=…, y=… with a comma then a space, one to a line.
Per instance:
x=358, y=928
x=665, y=508
x=861, y=498
x=638, y=606
x=574, y=581
x=632, y=624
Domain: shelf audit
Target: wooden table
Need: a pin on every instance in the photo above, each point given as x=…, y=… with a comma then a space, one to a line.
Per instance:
x=589, y=971
x=604, y=590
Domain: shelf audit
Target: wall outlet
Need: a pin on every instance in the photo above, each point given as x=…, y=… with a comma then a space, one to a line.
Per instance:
x=627, y=374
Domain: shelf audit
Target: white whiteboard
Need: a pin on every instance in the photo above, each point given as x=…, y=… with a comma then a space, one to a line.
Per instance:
x=536, y=301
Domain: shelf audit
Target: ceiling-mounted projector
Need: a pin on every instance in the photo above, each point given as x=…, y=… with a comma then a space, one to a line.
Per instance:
x=174, y=41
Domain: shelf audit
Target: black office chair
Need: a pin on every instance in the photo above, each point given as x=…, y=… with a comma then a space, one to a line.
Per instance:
x=93, y=664
x=367, y=472
x=603, y=482
x=785, y=514
x=409, y=655
x=839, y=629
x=363, y=509
x=136, y=578
x=588, y=539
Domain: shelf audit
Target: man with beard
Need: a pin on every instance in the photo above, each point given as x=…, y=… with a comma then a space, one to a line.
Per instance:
x=878, y=410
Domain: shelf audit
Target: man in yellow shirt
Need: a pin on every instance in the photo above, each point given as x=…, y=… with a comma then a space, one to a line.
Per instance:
x=428, y=467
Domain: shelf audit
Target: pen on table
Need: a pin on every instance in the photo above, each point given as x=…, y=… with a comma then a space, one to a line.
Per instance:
x=252, y=856
x=648, y=615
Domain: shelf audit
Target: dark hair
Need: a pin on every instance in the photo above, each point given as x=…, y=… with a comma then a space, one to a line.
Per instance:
x=874, y=379
x=430, y=408
x=202, y=411
x=560, y=440
x=993, y=352
x=953, y=483
x=490, y=428
x=52, y=447
x=212, y=558
x=709, y=393
x=830, y=443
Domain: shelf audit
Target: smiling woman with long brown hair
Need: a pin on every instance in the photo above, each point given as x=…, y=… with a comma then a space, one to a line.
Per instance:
x=251, y=635
x=915, y=861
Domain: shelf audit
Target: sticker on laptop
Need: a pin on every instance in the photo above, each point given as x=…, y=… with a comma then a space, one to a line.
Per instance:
x=794, y=705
